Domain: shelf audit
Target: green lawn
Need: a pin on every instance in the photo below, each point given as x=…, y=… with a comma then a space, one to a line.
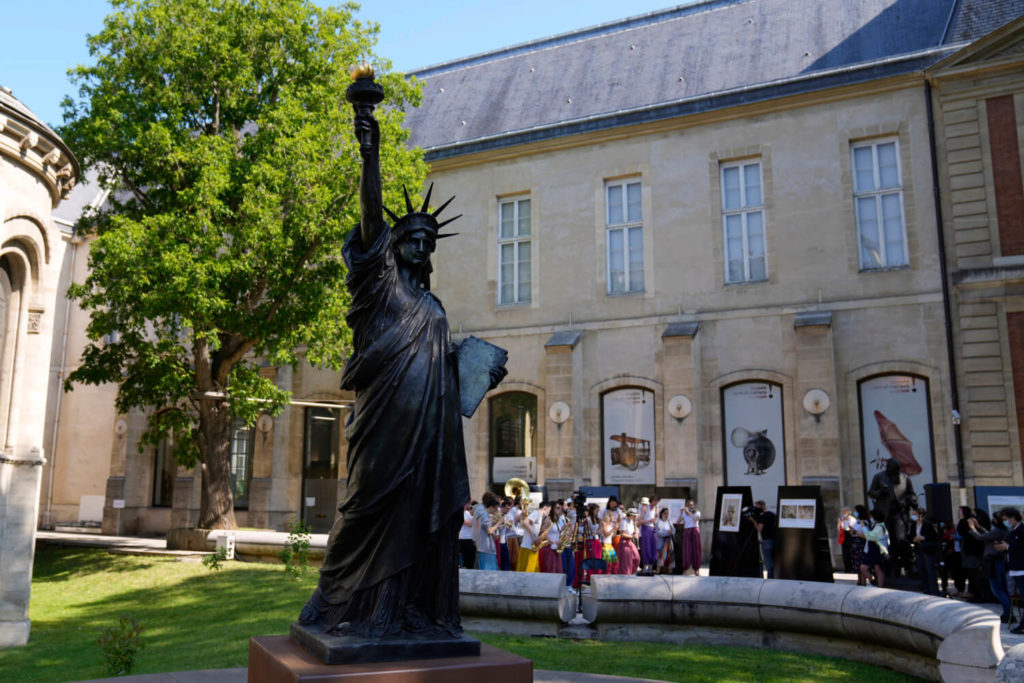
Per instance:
x=195, y=618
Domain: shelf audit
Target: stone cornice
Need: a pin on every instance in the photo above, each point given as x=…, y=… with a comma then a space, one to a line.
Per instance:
x=40, y=150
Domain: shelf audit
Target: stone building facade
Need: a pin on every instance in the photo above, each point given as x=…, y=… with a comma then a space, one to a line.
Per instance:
x=36, y=171
x=702, y=234
x=978, y=103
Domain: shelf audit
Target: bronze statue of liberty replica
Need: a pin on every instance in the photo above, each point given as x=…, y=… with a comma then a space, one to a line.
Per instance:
x=391, y=568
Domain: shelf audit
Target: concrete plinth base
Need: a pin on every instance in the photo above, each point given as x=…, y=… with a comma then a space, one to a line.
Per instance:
x=276, y=659
x=14, y=633
x=334, y=649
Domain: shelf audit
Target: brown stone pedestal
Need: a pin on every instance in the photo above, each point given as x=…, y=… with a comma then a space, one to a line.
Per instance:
x=276, y=659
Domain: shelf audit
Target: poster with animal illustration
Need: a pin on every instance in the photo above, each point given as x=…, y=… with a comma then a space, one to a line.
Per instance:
x=754, y=442
x=895, y=423
x=628, y=430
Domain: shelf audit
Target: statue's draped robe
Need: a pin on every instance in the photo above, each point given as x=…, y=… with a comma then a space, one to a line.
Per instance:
x=392, y=556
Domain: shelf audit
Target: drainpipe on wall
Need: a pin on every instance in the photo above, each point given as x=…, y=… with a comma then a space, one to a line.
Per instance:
x=954, y=391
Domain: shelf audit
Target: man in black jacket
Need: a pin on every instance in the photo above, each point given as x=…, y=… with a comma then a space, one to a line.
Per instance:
x=925, y=541
x=1015, y=559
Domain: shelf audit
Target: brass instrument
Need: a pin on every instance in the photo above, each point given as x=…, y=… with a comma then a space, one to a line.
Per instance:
x=499, y=520
x=517, y=488
x=565, y=536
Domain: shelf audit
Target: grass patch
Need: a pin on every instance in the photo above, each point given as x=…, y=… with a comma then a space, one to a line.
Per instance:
x=696, y=663
x=194, y=618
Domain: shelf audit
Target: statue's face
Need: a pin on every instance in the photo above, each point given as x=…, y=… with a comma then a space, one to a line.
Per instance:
x=416, y=247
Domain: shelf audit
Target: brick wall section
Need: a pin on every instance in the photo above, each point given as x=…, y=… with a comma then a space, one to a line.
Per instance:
x=1015, y=326
x=1006, y=173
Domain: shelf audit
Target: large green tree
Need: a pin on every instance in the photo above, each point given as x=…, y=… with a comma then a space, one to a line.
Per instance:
x=223, y=128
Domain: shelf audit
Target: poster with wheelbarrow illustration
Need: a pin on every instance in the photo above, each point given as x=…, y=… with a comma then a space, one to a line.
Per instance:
x=895, y=422
x=627, y=417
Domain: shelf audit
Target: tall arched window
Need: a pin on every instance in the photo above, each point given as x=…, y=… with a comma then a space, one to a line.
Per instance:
x=513, y=436
x=895, y=422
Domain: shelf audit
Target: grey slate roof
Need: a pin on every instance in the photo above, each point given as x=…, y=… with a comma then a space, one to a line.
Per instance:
x=679, y=61
x=976, y=18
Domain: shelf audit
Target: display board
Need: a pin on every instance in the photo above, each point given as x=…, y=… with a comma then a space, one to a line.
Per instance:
x=753, y=438
x=734, y=545
x=895, y=422
x=627, y=420
x=802, y=551
x=995, y=498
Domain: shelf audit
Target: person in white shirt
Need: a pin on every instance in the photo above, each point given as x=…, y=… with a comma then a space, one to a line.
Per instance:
x=664, y=530
x=689, y=517
x=648, y=539
x=514, y=532
x=629, y=558
x=532, y=524
x=467, y=549
x=550, y=558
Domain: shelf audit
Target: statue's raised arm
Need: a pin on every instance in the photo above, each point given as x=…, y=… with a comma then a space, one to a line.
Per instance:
x=365, y=94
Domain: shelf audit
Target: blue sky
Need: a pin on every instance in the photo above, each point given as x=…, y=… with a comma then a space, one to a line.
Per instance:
x=43, y=39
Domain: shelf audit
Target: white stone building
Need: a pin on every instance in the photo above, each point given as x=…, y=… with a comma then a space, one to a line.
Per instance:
x=36, y=171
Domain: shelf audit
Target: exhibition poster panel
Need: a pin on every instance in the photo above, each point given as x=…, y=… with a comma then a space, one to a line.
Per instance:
x=754, y=442
x=628, y=420
x=895, y=424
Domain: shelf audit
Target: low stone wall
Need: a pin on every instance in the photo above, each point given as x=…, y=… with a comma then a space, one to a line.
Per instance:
x=517, y=603
x=260, y=546
x=924, y=636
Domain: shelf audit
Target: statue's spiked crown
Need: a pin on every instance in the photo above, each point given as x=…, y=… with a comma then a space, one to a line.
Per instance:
x=420, y=220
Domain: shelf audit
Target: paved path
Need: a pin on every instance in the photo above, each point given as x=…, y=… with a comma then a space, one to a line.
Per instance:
x=158, y=546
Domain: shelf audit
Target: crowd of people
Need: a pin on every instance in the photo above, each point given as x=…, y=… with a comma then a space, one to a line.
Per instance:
x=982, y=556
x=503, y=533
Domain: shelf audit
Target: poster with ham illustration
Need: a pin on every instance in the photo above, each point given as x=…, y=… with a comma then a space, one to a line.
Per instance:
x=895, y=423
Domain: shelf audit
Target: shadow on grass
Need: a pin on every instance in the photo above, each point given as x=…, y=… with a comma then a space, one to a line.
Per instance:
x=60, y=563
x=192, y=618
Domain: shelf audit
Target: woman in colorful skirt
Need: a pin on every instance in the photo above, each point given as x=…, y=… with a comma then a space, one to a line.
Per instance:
x=648, y=539
x=689, y=517
x=629, y=558
x=664, y=531
x=609, y=526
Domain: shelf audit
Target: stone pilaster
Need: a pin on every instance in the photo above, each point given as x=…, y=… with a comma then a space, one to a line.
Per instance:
x=560, y=462
x=20, y=478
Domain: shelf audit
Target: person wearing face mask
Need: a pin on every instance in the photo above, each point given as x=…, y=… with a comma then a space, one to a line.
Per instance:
x=856, y=525
x=1014, y=545
x=993, y=562
x=925, y=542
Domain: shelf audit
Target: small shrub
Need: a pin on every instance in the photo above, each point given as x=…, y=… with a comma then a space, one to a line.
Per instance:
x=295, y=555
x=120, y=645
x=214, y=560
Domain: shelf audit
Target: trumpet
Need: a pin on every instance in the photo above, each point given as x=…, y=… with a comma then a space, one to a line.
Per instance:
x=499, y=520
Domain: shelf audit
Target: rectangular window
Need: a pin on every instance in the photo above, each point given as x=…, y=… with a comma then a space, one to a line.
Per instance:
x=514, y=251
x=743, y=222
x=878, y=199
x=165, y=471
x=625, y=237
x=241, y=461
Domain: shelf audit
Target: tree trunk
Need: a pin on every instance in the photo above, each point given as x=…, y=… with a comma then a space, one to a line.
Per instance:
x=217, y=505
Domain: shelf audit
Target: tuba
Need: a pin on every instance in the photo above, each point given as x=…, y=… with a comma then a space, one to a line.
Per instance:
x=517, y=488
